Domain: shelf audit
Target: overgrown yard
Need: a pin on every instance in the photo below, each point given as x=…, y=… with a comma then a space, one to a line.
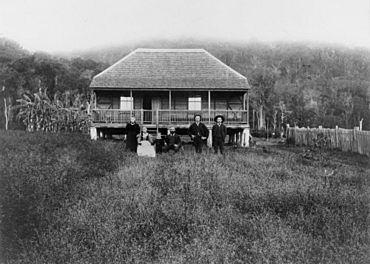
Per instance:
x=66, y=199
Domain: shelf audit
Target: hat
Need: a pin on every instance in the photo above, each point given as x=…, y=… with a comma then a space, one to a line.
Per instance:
x=197, y=115
x=222, y=117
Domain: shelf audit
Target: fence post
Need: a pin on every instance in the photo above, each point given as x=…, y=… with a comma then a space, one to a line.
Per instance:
x=355, y=139
x=336, y=137
x=295, y=135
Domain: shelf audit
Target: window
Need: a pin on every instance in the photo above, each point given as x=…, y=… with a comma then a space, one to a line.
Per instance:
x=126, y=103
x=195, y=103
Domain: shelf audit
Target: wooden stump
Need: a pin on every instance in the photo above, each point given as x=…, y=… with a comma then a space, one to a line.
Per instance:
x=93, y=133
x=245, y=138
x=238, y=139
x=209, y=140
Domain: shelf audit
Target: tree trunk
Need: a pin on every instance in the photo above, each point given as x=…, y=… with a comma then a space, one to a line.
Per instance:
x=261, y=118
x=274, y=120
x=253, y=115
x=6, y=113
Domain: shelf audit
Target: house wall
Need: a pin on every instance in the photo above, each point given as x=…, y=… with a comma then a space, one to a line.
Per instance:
x=219, y=100
x=227, y=101
x=159, y=98
x=109, y=99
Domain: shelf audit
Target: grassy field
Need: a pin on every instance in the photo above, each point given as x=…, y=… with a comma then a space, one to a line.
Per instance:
x=66, y=199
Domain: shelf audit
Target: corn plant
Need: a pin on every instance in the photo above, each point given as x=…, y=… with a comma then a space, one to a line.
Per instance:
x=39, y=113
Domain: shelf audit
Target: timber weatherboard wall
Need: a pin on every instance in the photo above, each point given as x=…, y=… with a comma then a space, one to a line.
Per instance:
x=179, y=99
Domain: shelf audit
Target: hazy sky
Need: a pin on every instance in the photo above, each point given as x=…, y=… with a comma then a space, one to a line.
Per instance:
x=66, y=25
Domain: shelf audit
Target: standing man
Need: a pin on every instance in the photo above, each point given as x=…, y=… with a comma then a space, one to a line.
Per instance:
x=218, y=134
x=132, y=130
x=173, y=141
x=198, y=133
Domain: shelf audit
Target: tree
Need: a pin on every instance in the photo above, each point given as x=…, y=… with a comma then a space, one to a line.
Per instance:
x=262, y=93
x=7, y=107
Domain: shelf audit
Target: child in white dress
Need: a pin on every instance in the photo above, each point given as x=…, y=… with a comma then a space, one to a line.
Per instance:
x=145, y=147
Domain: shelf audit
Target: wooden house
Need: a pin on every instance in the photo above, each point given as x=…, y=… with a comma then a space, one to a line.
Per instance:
x=166, y=87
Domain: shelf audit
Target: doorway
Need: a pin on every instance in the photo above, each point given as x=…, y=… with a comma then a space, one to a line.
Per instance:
x=156, y=104
x=147, y=107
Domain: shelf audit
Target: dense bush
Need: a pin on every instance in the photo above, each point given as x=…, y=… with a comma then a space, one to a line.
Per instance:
x=263, y=133
x=247, y=207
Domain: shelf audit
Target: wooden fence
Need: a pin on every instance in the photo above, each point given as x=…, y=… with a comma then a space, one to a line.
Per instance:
x=352, y=140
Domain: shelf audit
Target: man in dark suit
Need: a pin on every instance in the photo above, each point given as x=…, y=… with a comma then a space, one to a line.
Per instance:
x=173, y=141
x=218, y=134
x=198, y=133
x=132, y=130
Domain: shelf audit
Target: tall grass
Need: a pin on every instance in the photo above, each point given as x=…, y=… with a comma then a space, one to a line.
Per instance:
x=66, y=199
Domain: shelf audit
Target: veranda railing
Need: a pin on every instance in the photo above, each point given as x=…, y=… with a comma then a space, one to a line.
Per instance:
x=165, y=116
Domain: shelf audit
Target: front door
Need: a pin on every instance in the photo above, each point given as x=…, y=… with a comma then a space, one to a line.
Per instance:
x=147, y=107
x=156, y=104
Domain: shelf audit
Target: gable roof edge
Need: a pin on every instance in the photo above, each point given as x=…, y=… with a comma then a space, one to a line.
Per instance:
x=225, y=65
x=117, y=62
x=241, y=79
x=169, y=50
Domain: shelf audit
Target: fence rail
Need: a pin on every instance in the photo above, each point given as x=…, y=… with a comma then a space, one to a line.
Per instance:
x=352, y=140
x=165, y=116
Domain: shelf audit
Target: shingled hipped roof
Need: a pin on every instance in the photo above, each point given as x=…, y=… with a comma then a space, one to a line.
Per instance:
x=169, y=69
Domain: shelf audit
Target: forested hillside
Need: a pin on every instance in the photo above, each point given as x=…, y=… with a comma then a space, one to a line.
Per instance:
x=22, y=74
x=299, y=84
